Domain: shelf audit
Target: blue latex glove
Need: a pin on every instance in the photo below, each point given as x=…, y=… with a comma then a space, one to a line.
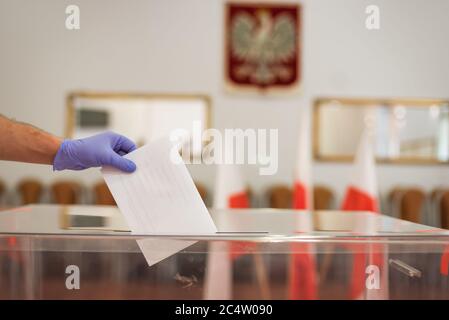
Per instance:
x=105, y=149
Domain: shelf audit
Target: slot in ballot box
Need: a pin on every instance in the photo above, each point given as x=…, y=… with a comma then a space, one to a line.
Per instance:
x=85, y=252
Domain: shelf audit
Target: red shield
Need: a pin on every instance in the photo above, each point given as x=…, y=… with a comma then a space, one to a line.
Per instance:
x=262, y=46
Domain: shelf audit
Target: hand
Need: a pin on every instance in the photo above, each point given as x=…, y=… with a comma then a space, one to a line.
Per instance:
x=105, y=149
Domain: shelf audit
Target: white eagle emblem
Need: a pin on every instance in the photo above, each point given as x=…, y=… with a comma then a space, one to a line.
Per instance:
x=263, y=43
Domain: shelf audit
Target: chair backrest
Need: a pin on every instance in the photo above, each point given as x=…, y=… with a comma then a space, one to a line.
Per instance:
x=322, y=198
x=444, y=210
x=2, y=188
x=65, y=192
x=411, y=205
x=280, y=197
x=2, y=194
x=102, y=194
x=30, y=191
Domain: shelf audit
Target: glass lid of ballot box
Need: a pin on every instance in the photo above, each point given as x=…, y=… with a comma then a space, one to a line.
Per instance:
x=233, y=224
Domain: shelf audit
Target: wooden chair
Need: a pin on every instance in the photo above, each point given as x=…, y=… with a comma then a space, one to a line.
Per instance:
x=322, y=198
x=280, y=197
x=2, y=189
x=102, y=194
x=2, y=195
x=435, y=210
x=412, y=205
x=409, y=202
x=65, y=192
x=444, y=210
x=30, y=191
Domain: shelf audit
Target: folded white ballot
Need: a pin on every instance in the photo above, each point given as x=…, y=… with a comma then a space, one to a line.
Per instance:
x=159, y=198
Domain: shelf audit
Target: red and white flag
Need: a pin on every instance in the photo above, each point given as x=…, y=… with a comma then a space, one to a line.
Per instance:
x=230, y=192
x=303, y=278
x=218, y=273
x=302, y=189
x=362, y=195
x=230, y=189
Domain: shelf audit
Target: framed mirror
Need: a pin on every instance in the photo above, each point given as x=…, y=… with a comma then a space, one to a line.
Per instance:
x=141, y=117
x=414, y=131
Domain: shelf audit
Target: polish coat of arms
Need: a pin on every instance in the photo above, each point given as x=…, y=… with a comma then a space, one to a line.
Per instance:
x=262, y=46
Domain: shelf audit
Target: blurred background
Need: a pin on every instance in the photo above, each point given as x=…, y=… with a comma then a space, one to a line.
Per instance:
x=161, y=54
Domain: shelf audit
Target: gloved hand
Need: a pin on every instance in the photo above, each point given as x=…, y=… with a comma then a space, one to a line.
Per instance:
x=96, y=151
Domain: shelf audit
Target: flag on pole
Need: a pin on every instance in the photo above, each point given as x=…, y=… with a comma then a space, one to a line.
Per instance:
x=230, y=189
x=302, y=194
x=230, y=192
x=361, y=195
x=303, y=278
x=218, y=273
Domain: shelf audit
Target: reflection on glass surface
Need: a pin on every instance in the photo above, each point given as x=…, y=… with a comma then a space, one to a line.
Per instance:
x=231, y=223
x=258, y=254
x=100, y=218
x=403, y=130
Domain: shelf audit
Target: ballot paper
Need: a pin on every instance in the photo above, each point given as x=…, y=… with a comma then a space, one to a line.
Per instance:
x=159, y=198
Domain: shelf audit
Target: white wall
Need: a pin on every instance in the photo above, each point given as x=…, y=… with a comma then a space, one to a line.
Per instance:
x=176, y=46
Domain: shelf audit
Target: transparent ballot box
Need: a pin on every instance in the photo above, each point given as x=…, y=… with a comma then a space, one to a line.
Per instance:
x=85, y=252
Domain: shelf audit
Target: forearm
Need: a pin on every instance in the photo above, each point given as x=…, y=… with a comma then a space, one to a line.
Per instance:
x=25, y=143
